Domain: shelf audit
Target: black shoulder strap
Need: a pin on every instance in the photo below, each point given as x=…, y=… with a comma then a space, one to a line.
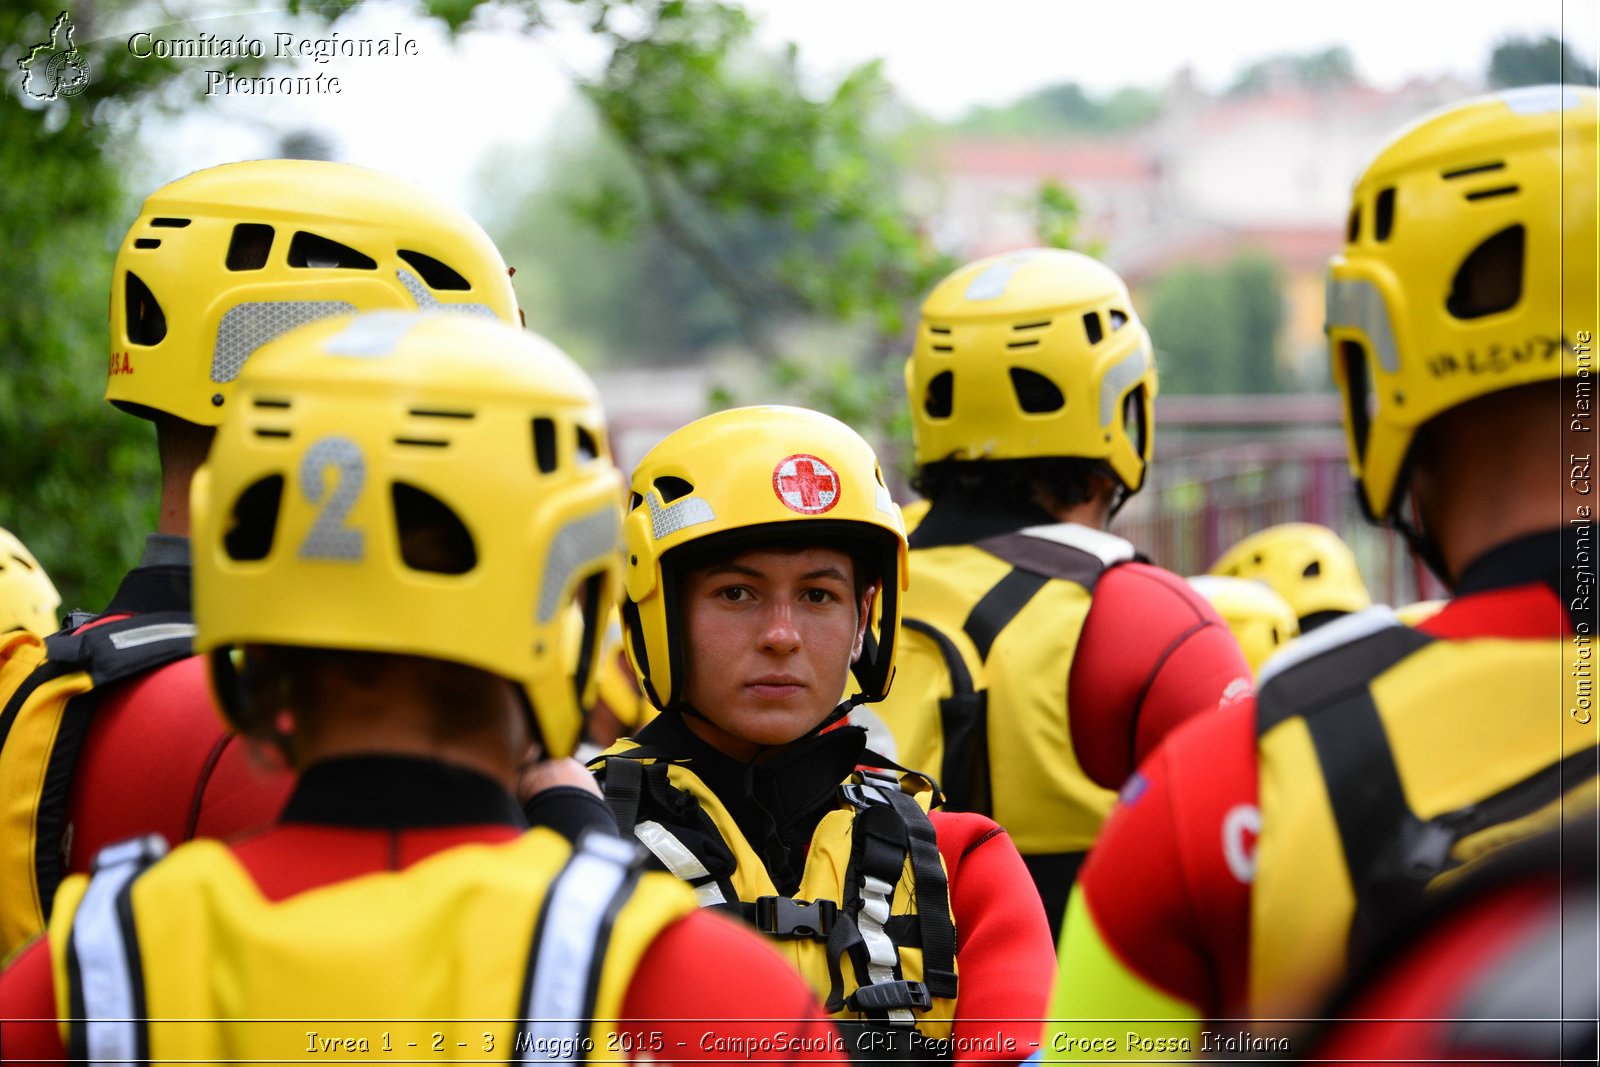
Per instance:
x=1003, y=602
x=126, y=647
x=964, y=722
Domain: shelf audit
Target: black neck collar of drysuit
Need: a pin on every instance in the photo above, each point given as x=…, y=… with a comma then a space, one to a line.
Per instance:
x=776, y=804
x=161, y=581
x=958, y=519
x=397, y=793
x=1536, y=557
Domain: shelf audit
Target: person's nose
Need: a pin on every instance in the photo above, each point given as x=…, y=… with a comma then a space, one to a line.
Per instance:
x=779, y=633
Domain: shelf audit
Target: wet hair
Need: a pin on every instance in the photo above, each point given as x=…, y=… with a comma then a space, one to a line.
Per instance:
x=1014, y=484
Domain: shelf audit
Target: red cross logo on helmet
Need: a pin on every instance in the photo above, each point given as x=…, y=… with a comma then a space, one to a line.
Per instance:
x=806, y=484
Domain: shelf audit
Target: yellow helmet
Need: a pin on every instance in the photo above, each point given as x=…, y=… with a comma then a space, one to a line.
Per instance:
x=224, y=260
x=1260, y=620
x=1469, y=266
x=1304, y=563
x=1033, y=354
x=352, y=431
x=754, y=474
x=28, y=599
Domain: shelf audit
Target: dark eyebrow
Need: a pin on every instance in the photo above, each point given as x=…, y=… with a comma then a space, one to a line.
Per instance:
x=751, y=572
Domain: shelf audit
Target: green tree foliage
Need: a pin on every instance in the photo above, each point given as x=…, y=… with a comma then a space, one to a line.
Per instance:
x=77, y=479
x=1218, y=330
x=1536, y=61
x=1325, y=69
x=1066, y=108
x=781, y=197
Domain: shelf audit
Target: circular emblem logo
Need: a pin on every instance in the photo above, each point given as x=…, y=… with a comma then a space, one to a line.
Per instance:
x=806, y=484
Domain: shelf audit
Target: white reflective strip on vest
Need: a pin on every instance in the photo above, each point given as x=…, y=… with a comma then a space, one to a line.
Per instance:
x=676, y=857
x=111, y=1029
x=876, y=895
x=1107, y=547
x=1341, y=631
x=145, y=635
x=576, y=907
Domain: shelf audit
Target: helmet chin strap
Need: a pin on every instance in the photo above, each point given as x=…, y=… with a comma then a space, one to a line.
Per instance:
x=1422, y=544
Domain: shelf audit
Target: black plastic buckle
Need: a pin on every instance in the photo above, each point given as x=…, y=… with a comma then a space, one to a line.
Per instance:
x=790, y=919
x=890, y=996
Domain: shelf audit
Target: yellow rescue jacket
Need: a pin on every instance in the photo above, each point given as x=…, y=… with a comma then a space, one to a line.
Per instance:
x=1391, y=761
x=40, y=736
x=990, y=632
x=480, y=952
x=869, y=927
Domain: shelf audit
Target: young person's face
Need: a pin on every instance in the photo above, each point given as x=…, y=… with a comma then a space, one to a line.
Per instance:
x=771, y=634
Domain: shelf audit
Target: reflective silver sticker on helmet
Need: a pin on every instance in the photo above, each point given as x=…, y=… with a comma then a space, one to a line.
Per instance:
x=884, y=502
x=1357, y=303
x=668, y=519
x=247, y=327
x=426, y=301
x=377, y=333
x=329, y=537
x=578, y=545
x=1118, y=377
x=1540, y=99
x=992, y=282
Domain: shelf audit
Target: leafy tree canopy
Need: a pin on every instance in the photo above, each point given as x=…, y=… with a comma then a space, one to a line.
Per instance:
x=1536, y=61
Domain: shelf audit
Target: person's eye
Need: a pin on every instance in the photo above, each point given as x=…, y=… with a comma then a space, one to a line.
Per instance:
x=819, y=596
x=734, y=594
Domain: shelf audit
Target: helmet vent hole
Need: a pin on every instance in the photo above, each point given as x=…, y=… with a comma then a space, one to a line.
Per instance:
x=1041, y=324
x=147, y=325
x=432, y=536
x=672, y=488
x=1479, y=168
x=1383, y=215
x=147, y=242
x=545, y=453
x=1032, y=343
x=1037, y=394
x=1313, y=569
x=1358, y=393
x=1490, y=278
x=1119, y=319
x=634, y=500
x=249, y=247
x=938, y=397
x=255, y=520
x=1092, y=327
x=587, y=448
x=173, y=224
x=1352, y=229
x=939, y=329
x=1499, y=190
x=438, y=275
x=311, y=250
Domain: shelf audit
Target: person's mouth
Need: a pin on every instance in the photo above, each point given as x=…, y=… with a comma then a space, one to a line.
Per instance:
x=774, y=686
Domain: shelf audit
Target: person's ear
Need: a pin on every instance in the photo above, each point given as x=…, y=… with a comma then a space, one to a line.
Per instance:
x=863, y=619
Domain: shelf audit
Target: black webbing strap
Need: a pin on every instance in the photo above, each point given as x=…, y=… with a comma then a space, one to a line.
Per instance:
x=624, y=786
x=995, y=609
x=964, y=720
x=933, y=897
x=1391, y=854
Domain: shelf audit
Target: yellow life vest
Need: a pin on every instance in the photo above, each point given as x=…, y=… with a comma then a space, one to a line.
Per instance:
x=49, y=688
x=1390, y=762
x=990, y=633
x=479, y=952
x=869, y=926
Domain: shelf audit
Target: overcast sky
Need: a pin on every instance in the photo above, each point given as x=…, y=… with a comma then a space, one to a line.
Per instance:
x=432, y=116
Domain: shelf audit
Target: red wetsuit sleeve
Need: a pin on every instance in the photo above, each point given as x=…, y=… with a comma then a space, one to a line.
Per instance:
x=709, y=989
x=159, y=759
x=28, y=1031
x=1168, y=881
x=1152, y=655
x=1005, y=960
